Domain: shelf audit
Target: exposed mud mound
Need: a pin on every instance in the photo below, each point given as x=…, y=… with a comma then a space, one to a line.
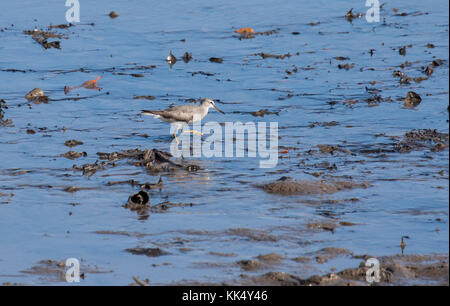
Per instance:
x=394, y=270
x=252, y=234
x=286, y=186
x=326, y=254
x=150, y=252
x=55, y=270
x=249, y=265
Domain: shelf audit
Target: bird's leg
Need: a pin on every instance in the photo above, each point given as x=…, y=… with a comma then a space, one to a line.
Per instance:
x=175, y=135
x=194, y=132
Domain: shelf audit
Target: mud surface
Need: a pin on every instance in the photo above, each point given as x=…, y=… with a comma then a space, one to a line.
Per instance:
x=285, y=186
x=396, y=270
x=362, y=112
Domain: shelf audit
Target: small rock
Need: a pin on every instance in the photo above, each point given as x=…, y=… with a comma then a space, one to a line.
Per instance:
x=35, y=94
x=171, y=59
x=72, y=143
x=346, y=66
x=113, y=14
x=412, y=99
x=138, y=201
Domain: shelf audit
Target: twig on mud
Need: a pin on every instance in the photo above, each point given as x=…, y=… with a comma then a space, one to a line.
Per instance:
x=139, y=282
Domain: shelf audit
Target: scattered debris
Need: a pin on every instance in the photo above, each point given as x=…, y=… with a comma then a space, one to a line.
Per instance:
x=153, y=160
x=187, y=57
x=350, y=15
x=3, y=106
x=150, y=252
x=419, y=79
x=437, y=62
x=74, y=155
x=329, y=149
x=330, y=227
x=246, y=33
x=91, y=84
x=144, y=97
x=90, y=169
x=422, y=139
x=243, y=31
x=347, y=66
x=428, y=71
x=279, y=56
x=216, y=60
x=141, y=283
x=61, y=26
x=164, y=206
x=263, y=112
x=147, y=186
x=72, y=143
x=202, y=73
x=41, y=37
x=323, y=124
x=249, y=265
x=341, y=58
x=7, y=201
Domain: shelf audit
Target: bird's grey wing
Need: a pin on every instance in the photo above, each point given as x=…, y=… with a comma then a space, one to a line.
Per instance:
x=182, y=108
x=175, y=113
x=180, y=113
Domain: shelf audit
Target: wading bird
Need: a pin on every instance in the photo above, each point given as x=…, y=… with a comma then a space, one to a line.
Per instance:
x=184, y=114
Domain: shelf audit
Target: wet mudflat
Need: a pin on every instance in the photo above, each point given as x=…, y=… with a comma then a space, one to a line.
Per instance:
x=362, y=110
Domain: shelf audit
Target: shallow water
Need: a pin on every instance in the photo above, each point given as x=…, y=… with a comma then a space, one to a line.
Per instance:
x=408, y=193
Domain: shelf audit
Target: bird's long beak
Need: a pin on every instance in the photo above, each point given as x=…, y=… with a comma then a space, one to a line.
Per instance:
x=217, y=109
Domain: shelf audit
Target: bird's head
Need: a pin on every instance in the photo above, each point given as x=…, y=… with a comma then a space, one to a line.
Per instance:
x=210, y=103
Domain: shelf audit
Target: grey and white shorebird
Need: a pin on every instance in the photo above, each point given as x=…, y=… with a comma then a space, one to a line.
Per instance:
x=184, y=114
